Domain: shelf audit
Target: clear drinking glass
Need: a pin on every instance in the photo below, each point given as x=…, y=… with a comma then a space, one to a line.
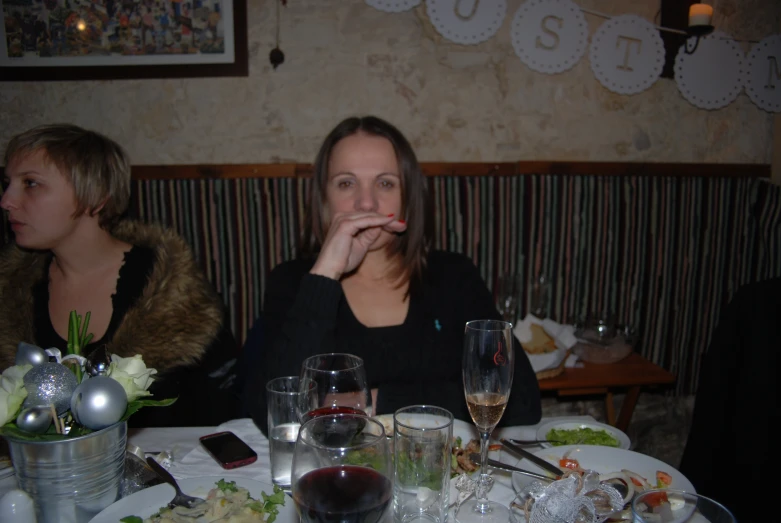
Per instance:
x=287, y=399
x=508, y=288
x=340, y=385
x=487, y=368
x=342, y=470
x=540, y=296
x=677, y=506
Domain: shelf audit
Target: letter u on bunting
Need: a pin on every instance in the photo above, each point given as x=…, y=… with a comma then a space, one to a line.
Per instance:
x=627, y=54
x=467, y=21
x=549, y=36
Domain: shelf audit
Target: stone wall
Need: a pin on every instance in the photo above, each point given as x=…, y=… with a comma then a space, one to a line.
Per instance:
x=456, y=103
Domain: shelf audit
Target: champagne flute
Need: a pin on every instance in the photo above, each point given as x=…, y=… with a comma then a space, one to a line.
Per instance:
x=341, y=470
x=340, y=385
x=487, y=369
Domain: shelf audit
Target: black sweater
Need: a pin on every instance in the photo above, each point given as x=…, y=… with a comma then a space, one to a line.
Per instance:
x=417, y=362
x=731, y=451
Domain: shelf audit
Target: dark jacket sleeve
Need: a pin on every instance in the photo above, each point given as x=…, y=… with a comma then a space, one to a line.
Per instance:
x=737, y=405
x=299, y=319
x=206, y=390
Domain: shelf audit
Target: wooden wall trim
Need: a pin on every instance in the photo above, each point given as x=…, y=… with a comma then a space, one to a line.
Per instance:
x=293, y=170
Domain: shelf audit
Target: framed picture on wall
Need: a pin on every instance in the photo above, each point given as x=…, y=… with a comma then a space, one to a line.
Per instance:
x=45, y=40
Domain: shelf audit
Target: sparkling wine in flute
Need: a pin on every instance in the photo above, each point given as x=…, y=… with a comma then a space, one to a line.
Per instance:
x=487, y=371
x=486, y=409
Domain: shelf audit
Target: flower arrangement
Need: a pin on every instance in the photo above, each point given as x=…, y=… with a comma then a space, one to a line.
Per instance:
x=72, y=396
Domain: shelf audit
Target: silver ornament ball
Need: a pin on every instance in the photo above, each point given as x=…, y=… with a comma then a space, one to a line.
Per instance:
x=35, y=419
x=50, y=383
x=29, y=354
x=98, y=402
x=98, y=362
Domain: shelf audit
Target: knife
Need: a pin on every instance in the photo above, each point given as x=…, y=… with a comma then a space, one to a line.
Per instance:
x=509, y=468
x=519, y=451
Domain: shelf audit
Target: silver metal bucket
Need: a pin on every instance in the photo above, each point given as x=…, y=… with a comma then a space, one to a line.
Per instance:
x=71, y=480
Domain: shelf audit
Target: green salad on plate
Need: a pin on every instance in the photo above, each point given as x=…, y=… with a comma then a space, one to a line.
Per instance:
x=581, y=436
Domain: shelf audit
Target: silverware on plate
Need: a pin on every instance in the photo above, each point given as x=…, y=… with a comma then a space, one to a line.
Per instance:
x=181, y=499
x=475, y=457
x=520, y=451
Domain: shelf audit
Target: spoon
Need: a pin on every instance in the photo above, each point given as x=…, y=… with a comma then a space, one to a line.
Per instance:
x=181, y=499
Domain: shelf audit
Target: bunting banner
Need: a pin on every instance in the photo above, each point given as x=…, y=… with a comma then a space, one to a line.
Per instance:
x=393, y=6
x=467, y=21
x=710, y=78
x=549, y=36
x=626, y=52
x=763, y=74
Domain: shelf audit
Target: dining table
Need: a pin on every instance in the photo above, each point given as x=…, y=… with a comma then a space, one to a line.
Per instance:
x=186, y=458
x=189, y=459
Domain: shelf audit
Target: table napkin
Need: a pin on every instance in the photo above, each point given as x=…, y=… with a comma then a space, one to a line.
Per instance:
x=563, y=336
x=199, y=463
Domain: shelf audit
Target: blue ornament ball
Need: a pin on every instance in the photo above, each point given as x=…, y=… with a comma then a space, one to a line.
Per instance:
x=98, y=402
x=50, y=383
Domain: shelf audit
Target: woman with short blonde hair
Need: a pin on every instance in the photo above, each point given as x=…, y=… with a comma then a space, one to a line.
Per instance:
x=65, y=193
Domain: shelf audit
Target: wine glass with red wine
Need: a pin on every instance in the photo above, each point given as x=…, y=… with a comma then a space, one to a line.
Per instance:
x=340, y=385
x=341, y=470
x=487, y=368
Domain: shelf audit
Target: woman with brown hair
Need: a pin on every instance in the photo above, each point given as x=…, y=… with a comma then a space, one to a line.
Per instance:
x=369, y=284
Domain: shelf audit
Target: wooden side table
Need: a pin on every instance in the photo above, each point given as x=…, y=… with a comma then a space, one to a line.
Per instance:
x=631, y=373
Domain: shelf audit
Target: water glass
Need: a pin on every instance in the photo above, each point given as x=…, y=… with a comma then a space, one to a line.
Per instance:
x=422, y=443
x=286, y=402
x=677, y=506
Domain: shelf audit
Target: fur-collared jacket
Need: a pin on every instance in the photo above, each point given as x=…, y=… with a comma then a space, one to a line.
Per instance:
x=176, y=325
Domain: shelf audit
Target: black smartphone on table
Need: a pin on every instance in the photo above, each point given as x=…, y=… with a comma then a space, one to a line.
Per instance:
x=228, y=449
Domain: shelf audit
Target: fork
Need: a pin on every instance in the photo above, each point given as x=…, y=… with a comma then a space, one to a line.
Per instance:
x=181, y=499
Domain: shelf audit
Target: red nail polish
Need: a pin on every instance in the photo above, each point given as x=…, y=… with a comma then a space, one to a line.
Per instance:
x=402, y=221
x=391, y=215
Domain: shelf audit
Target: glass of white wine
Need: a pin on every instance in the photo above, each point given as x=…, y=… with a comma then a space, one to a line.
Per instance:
x=487, y=368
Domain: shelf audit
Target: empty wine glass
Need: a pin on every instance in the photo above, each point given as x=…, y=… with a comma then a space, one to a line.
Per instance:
x=508, y=288
x=487, y=368
x=340, y=385
x=342, y=470
x=540, y=296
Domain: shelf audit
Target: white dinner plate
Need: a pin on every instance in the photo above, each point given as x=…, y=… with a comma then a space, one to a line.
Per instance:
x=604, y=460
x=146, y=502
x=572, y=424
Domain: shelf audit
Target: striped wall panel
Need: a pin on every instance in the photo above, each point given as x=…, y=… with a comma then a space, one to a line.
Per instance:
x=663, y=254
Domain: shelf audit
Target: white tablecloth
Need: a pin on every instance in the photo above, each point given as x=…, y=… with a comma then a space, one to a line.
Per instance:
x=190, y=460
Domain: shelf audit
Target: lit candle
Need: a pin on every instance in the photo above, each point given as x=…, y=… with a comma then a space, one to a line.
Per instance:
x=700, y=14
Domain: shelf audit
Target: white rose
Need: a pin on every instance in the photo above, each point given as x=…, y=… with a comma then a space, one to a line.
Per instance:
x=12, y=391
x=133, y=374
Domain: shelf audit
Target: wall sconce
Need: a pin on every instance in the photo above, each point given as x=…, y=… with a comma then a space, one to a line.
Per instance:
x=700, y=16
